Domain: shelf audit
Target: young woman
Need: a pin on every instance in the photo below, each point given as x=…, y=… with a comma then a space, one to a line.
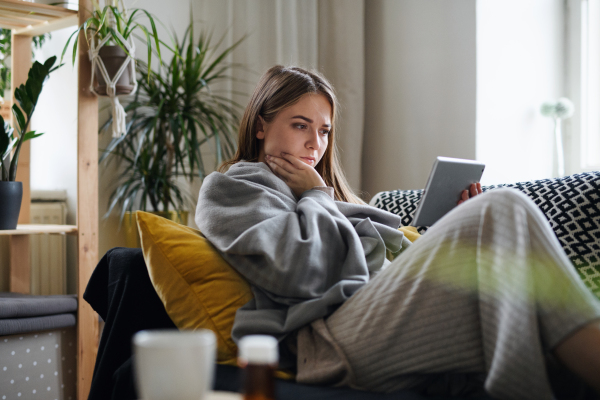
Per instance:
x=486, y=299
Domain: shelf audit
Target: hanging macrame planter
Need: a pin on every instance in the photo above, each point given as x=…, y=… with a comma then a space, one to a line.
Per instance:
x=113, y=74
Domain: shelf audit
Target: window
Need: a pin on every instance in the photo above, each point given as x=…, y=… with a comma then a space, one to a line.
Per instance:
x=583, y=85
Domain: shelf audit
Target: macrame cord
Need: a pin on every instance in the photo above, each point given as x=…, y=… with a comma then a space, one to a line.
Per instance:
x=119, y=126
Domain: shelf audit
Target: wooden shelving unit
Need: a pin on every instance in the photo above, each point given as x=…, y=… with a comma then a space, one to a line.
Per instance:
x=34, y=19
x=27, y=20
x=31, y=229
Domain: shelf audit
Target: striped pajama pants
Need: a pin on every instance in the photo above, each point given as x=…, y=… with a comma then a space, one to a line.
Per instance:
x=481, y=299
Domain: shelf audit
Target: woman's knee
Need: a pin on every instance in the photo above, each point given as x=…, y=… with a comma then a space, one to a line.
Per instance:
x=507, y=201
x=510, y=196
x=123, y=261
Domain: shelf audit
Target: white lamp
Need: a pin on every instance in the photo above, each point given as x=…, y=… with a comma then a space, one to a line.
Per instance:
x=558, y=110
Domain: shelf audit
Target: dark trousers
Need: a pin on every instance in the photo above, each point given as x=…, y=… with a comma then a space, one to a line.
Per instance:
x=121, y=292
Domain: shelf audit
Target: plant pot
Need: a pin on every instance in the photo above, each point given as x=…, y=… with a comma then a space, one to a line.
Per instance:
x=113, y=57
x=11, y=194
x=132, y=237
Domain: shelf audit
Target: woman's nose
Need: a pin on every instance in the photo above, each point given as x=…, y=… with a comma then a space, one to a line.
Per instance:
x=313, y=140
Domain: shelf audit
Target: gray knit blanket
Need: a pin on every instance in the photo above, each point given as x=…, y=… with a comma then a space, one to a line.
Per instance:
x=303, y=257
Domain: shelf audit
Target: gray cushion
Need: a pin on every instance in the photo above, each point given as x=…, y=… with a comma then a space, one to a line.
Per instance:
x=16, y=305
x=14, y=326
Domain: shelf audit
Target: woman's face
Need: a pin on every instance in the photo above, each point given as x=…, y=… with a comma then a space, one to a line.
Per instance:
x=301, y=130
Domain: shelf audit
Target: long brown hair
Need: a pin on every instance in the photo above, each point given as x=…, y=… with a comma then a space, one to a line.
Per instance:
x=279, y=88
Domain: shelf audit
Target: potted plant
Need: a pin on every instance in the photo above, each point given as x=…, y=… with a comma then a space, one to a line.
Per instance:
x=110, y=29
x=27, y=96
x=175, y=111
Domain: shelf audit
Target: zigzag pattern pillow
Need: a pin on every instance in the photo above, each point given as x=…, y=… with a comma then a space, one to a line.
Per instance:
x=571, y=204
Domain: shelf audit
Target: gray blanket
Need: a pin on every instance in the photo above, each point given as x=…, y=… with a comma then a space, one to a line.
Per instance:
x=302, y=256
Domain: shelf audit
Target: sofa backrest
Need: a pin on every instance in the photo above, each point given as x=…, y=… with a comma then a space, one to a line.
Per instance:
x=571, y=204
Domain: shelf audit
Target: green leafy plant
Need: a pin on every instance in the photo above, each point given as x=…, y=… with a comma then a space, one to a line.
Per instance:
x=27, y=96
x=97, y=28
x=174, y=112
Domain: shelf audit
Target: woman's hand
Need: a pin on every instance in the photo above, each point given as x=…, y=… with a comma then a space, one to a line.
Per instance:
x=298, y=175
x=474, y=190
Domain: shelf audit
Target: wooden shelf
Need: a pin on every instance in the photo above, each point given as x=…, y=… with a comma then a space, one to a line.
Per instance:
x=5, y=111
x=31, y=229
x=33, y=19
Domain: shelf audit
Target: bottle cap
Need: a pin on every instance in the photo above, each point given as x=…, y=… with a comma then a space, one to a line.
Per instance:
x=258, y=349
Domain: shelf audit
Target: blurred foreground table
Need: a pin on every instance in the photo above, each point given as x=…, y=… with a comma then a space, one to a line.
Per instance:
x=224, y=396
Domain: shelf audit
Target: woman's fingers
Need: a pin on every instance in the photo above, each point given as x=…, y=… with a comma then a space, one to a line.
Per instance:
x=473, y=190
x=281, y=163
x=278, y=169
x=464, y=196
x=293, y=160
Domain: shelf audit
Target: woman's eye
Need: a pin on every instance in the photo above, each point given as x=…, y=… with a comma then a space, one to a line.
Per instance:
x=300, y=126
x=325, y=132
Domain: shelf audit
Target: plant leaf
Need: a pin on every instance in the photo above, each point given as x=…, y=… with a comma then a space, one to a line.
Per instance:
x=4, y=139
x=49, y=63
x=18, y=114
x=31, y=135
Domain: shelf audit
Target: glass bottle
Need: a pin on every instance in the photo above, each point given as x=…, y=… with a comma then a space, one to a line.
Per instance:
x=258, y=356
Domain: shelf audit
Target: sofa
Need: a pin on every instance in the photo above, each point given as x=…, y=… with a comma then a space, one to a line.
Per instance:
x=571, y=204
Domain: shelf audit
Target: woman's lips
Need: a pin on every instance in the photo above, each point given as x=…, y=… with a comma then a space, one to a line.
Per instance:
x=308, y=160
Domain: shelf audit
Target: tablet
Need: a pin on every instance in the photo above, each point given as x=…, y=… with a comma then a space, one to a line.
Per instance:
x=448, y=178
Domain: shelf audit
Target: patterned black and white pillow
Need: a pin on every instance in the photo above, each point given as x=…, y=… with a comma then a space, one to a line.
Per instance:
x=571, y=204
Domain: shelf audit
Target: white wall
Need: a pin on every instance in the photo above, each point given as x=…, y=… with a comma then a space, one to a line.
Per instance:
x=461, y=79
x=420, y=89
x=54, y=155
x=520, y=56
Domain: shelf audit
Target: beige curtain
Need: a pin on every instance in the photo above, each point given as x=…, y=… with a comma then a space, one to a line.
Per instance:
x=327, y=35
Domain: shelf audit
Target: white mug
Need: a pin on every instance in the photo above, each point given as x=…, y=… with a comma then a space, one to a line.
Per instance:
x=171, y=364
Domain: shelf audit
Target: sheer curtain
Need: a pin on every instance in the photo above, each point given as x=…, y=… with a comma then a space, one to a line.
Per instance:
x=327, y=35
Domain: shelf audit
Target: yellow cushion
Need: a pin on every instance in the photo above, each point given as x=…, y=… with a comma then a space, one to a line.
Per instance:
x=410, y=232
x=197, y=287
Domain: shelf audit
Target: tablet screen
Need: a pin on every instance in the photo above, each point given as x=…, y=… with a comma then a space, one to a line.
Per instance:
x=448, y=178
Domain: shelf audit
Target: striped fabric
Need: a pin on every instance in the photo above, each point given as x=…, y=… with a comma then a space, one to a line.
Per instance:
x=479, y=300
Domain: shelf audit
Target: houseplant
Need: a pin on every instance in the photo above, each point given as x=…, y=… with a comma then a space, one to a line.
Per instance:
x=109, y=32
x=175, y=111
x=117, y=25
x=27, y=96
